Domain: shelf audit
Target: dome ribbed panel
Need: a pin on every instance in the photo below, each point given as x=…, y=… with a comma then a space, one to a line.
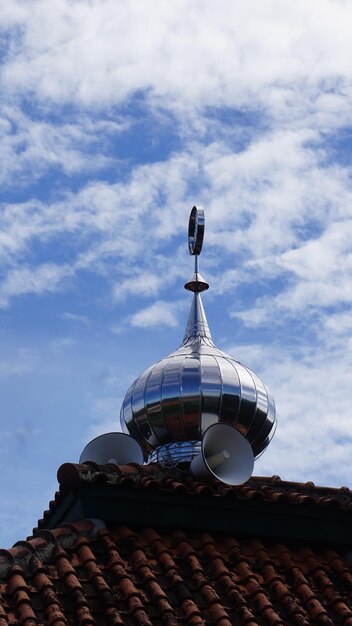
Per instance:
x=230, y=390
x=170, y=398
x=261, y=410
x=126, y=416
x=138, y=406
x=211, y=382
x=153, y=403
x=191, y=398
x=248, y=399
x=268, y=430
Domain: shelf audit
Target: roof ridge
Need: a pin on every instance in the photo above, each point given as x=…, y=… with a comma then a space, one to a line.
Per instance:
x=309, y=483
x=71, y=474
x=275, y=482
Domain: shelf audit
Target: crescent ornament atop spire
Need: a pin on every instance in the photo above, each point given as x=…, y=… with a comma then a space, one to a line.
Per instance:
x=196, y=227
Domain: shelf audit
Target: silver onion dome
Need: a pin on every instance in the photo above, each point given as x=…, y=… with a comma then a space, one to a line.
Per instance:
x=169, y=407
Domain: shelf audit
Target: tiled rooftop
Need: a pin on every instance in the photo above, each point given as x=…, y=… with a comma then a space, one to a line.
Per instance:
x=95, y=572
x=144, y=577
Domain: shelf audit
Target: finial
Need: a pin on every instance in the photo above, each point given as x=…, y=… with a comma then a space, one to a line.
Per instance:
x=196, y=228
x=199, y=401
x=197, y=327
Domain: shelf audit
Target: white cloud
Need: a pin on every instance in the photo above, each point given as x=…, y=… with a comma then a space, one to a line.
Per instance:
x=311, y=387
x=30, y=147
x=24, y=360
x=339, y=323
x=269, y=216
x=44, y=278
x=118, y=216
x=160, y=313
x=223, y=55
x=273, y=59
x=76, y=317
x=60, y=345
x=142, y=284
x=319, y=276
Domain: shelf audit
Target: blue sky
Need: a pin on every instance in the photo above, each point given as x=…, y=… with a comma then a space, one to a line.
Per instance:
x=115, y=119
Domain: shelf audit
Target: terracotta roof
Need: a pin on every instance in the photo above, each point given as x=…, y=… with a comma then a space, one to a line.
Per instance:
x=83, y=576
x=159, y=558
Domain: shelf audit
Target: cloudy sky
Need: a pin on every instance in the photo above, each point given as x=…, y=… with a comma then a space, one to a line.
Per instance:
x=117, y=117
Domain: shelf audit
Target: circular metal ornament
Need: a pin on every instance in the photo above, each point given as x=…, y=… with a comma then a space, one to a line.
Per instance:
x=196, y=227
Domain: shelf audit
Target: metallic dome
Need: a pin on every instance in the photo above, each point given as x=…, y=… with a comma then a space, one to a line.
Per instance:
x=196, y=386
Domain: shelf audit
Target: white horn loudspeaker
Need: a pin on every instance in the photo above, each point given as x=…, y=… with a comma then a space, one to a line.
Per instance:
x=226, y=454
x=116, y=448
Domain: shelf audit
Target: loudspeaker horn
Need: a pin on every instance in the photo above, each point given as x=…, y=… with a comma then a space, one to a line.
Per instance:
x=118, y=448
x=226, y=454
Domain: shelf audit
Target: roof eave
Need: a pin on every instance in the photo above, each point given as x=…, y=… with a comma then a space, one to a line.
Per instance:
x=143, y=508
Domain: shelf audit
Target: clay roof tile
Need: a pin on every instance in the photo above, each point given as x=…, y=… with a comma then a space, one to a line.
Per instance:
x=150, y=575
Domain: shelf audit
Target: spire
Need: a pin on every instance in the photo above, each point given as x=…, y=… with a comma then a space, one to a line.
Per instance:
x=197, y=326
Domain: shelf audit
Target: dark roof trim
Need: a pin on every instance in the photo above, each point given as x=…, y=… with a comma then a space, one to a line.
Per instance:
x=154, y=496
